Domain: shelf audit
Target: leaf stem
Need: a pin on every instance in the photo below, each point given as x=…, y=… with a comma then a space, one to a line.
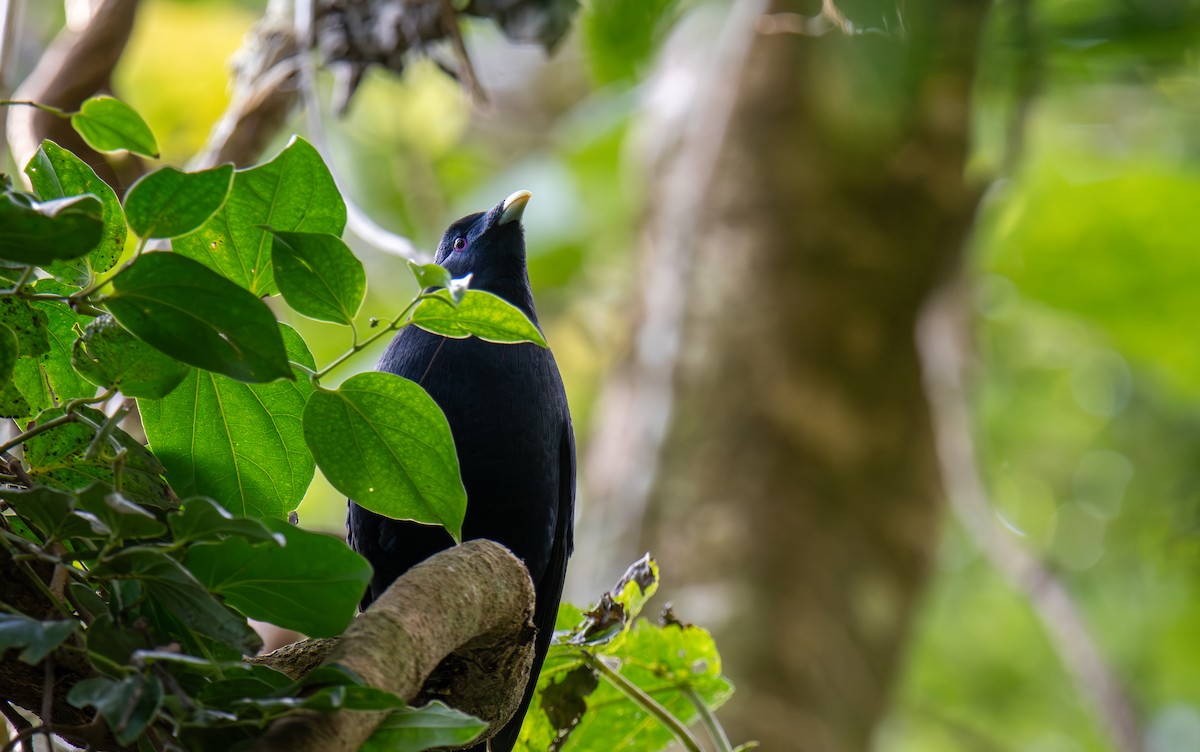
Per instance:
x=643, y=700
x=37, y=105
x=716, y=731
x=87, y=291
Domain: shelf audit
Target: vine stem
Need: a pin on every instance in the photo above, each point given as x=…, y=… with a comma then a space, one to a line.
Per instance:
x=716, y=731
x=643, y=700
x=394, y=325
x=67, y=417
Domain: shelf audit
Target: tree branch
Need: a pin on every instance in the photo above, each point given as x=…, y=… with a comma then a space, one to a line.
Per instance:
x=465, y=612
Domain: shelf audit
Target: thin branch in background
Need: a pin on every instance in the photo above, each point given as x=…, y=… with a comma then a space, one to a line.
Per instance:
x=941, y=340
x=466, y=71
x=11, y=12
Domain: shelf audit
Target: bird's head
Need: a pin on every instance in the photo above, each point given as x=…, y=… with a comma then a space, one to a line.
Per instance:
x=489, y=245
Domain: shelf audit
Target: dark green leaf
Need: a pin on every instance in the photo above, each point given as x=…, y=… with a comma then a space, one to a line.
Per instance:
x=197, y=316
x=52, y=513
x=429, y=275
x=202, y=519
x=127, y=705
x=33, y=232
x=226, y=694
x=382, y=441
x=325, y=700
x=54, y=173
x=111, y=646
x=430, y=726
x=318, y=275
x=481, y=314
x=168, y=202
x=294, y=192
x=120, y=515
x=241, y=444
x=58, y=457
x=29, y=324
x=178, y=592
x=312, y=584
x=108, y=124
x=109, y=356
x=36, y=638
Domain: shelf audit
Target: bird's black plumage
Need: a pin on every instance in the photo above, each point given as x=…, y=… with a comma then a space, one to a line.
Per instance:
x=512, y=430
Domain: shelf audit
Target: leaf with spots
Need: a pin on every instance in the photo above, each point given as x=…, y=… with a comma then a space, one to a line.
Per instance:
x=294, y=192
x=239, y=444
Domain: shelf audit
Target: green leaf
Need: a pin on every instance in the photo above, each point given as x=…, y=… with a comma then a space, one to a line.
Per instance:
x=318, y=275
x=12, y=403
x=109, y=356
x=55, y=172
x=202, y=519
x=431, y=726
x=59, y=458
x=176, y=591
x=36, y=638
x=61, y=323
x=197, y=316
x=110, y=646
x=108, y=124
x=52, y=513
x=42, y=232
x=29, y=324
x=120, y=515
x=127, y=705
x=382, y=441
x=294, y=192
x=311, y=584
x=168, y=202
x=30, y=383
x=662, y=661
x=481, y=314
x=328, y=699
x=240, y=444
x=429, y=275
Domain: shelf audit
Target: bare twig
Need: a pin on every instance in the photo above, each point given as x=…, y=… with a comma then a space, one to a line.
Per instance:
x=941, y=340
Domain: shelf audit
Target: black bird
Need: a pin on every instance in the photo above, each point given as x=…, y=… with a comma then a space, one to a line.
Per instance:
x=512, y=430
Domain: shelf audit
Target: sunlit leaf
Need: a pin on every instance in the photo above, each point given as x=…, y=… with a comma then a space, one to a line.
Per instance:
x=381, y=440
x=108, y=124
x=479, y=314
x=318, y=275
x=168, y=202
x=294, y=192
x=240, y=444
x=55, y=172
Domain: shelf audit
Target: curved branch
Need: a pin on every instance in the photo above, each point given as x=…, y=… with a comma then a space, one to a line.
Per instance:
x=465, y=612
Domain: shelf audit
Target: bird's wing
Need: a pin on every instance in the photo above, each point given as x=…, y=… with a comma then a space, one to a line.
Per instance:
x=549, y=589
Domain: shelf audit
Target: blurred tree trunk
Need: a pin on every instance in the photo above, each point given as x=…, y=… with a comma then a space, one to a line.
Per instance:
x=797, y=501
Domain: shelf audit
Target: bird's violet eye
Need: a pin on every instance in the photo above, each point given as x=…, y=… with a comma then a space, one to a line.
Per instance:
x=460, y=243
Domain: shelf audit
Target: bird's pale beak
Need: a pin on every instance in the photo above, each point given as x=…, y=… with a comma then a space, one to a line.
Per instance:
x=514, y=207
